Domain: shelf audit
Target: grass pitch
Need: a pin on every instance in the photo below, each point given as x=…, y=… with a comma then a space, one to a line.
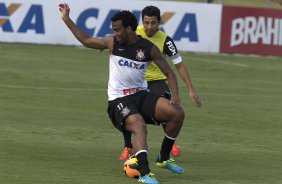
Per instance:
x=54, y=128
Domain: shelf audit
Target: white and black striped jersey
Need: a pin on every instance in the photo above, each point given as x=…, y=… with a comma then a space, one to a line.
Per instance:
x=128, y=65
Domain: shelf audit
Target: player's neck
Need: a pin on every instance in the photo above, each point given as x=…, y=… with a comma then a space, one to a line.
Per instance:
x=132, y=39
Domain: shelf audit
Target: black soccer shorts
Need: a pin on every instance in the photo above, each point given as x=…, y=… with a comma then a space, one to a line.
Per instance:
x=142, y=102
x=159, y=87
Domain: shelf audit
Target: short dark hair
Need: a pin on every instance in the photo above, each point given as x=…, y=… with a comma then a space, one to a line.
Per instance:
x=127, y=18
x=151, y=11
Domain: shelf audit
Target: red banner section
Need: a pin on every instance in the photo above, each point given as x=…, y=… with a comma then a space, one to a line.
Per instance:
x=251, y=31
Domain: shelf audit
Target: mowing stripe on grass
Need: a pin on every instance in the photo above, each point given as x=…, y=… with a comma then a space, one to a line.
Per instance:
x=52, y=88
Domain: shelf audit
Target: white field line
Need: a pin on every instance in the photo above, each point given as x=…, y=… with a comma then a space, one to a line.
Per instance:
x=233, y=64
x=221, y=62
x=239, y=95
x=104, y=89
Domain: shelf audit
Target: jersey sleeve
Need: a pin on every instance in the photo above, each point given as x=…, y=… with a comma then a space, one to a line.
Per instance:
x=171, y=51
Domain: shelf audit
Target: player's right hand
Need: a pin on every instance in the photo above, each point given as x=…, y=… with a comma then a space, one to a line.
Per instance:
x=65, y=10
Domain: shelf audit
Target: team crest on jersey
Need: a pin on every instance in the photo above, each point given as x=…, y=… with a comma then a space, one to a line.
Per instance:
x=140, y=54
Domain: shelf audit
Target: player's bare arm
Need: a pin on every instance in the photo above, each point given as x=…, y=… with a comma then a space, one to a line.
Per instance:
x=167, y=71
x=86, y=40
x=171, y=50
x=183, y=72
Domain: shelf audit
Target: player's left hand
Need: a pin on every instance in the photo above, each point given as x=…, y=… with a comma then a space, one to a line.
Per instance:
x=195, y=98
x=175, y=100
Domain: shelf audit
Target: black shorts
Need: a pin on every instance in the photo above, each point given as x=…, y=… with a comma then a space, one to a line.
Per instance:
x=159, y=87
x=142, y=102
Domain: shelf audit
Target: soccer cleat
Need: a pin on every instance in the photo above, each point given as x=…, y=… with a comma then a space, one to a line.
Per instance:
x=170, y=165
x=148, y=179
x=125, y=153
x=175, y=151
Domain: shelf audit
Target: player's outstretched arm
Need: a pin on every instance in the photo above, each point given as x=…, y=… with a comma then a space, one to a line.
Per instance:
x=168, y=72
x=183, y=72
x=85, y=39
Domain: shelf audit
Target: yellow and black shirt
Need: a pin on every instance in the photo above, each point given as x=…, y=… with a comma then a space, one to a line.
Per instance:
x=166, y=46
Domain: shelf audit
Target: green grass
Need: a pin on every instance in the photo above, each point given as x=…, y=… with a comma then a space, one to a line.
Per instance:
x=54, y=128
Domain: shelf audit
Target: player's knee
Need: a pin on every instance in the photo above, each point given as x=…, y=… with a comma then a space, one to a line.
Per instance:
x=182, y=114
x=140, y=127
x=178, y=115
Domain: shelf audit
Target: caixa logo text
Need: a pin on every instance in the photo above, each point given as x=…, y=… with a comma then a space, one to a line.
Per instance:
x=187, y=27
x=31, y=20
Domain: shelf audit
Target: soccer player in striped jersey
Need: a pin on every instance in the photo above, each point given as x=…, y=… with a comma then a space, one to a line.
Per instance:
x=129, y=101
x=151, y=18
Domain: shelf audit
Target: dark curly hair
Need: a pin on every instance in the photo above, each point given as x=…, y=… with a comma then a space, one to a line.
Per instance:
x=127, y=18
x=151, y=11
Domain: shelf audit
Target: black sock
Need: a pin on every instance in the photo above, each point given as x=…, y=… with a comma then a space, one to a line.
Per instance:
x=166, y=148
x=127, y=139
x=143, y=164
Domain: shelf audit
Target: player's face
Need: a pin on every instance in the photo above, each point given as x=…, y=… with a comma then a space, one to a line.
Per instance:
x=151, y=25
x=120, y=33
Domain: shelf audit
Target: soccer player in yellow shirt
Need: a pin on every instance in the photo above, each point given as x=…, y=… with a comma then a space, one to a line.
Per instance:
x=151, y=18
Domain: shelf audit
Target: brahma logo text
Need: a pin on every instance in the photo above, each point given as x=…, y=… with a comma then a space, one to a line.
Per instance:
x=253, y=30
x=31, y=20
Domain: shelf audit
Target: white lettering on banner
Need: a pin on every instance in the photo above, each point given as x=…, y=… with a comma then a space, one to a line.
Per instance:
x=250, y=30
x=280, y=37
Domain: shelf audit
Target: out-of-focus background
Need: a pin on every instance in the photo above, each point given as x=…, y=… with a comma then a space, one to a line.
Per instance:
x=233, y=27
x=247, y=3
